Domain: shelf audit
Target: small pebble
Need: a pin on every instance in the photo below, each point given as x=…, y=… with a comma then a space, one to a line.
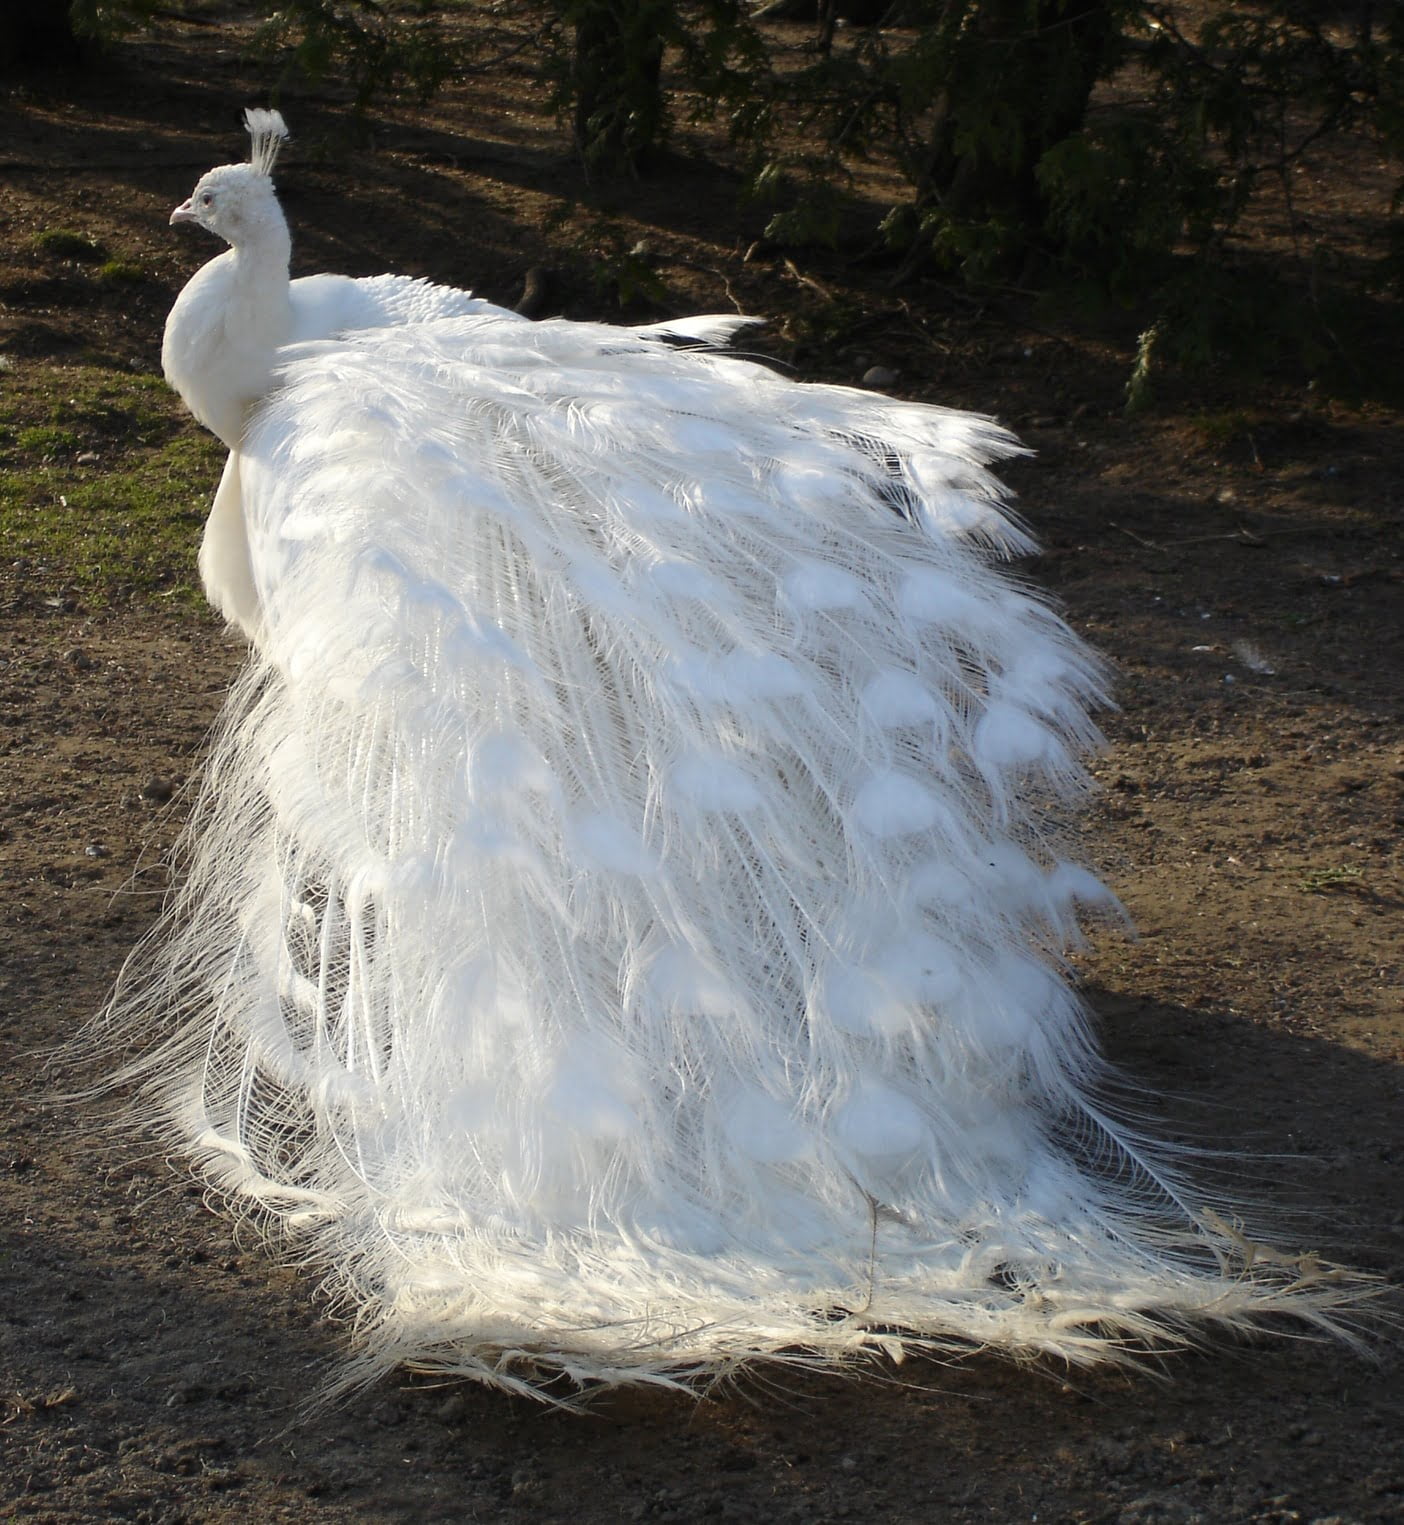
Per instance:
x=158, y=789
x=879, y=376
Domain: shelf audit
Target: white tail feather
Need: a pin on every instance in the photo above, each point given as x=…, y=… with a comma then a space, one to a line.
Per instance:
x=622, y=922
x=710, y=331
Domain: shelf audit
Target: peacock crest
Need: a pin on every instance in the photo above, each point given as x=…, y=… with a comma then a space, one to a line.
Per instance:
x=268, y=132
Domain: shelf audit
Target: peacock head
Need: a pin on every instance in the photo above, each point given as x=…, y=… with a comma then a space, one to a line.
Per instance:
x=235, y=201
x=232, y=201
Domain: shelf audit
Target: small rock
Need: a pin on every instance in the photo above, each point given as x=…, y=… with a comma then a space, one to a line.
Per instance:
x=452, y=1409
x=1158, y=1509
x=94, y=850
x=88, y=457
x=75, y=656
x=879, y=376
x=157, y=789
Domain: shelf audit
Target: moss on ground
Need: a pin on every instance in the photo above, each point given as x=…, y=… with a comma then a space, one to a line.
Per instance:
x=63, y=243
x=104, y=483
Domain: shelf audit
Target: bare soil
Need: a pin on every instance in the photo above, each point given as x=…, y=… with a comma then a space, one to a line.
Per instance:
x=1236, y=552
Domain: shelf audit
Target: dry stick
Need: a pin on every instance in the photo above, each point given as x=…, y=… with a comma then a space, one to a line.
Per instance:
x=1150, y=545
x=806, y=280
x=490, y=64
x=1247, y=536
x=715, y=271
x=1242, y=536
x=921, y=331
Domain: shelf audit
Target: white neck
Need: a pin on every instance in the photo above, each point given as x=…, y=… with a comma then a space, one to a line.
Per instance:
x=260, y=309
x=218, y=352
x=226, y=327
x=263, y=251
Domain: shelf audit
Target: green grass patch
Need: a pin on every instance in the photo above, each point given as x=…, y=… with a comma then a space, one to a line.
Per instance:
x=46, y=441
x=1222, y=428
x=125, y=522
x=1321, y=879
x=46, y=409
x=120, y=272
x=63, y=243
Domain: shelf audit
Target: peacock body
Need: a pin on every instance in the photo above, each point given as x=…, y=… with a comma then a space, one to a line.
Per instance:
x=622, y=925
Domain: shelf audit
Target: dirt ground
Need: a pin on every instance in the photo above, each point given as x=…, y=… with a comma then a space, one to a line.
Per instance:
x=1236, y=552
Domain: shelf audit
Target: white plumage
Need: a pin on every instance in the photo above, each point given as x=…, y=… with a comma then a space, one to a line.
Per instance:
x=621, y=932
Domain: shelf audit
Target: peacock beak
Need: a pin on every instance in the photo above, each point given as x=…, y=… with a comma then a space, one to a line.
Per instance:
x=183, y=213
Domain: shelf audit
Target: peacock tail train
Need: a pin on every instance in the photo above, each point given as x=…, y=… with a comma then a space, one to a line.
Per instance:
x=622, y=924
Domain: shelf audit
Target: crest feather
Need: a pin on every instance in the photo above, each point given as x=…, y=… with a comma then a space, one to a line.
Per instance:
x=268, y=132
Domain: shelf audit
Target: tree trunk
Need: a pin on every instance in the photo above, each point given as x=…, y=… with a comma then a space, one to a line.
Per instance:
x=1050, y=54
x=37, y=34
x=616, y=75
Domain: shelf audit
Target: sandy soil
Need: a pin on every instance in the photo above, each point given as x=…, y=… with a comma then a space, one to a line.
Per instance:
x=1237, y=553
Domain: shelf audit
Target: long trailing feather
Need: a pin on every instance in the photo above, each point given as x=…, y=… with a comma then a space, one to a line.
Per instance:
x=622, y=922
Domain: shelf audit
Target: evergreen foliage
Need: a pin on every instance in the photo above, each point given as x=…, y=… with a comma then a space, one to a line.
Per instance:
x=374, y=48
x=1113, y=145
x=606, y=57
x=1103, y=143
